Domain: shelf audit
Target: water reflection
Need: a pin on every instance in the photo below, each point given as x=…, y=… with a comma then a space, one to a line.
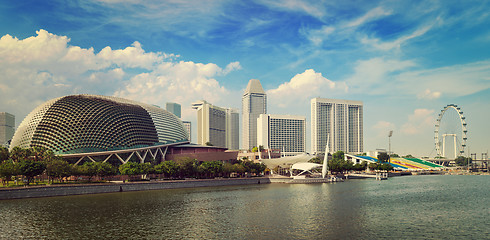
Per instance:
x=405, y=207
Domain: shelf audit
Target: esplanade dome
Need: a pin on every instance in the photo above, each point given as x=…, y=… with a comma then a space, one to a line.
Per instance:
x=93, y=123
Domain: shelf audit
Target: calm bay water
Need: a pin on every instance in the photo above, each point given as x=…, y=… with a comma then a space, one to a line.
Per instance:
x=420, y=207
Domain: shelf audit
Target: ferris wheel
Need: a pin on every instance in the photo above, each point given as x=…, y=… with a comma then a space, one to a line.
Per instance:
x=450, y=123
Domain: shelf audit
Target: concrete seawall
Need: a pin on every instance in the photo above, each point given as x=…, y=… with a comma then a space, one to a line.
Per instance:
x=78, y=189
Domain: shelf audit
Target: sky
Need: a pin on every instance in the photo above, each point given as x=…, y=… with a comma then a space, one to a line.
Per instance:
x=406, y=60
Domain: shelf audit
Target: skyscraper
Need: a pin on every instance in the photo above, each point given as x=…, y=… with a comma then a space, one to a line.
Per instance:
x=188, y=127
x=216, y=125
x=7, y=127
x=254, y=103
x=284, y=132
x=232, y=128
x=341, y=120
x=174, y=108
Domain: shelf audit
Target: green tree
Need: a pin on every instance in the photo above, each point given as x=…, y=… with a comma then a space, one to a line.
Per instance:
x=8, y=169
x=30, y=168
x=57, y=168
x=89, y=169
x=394, y=155
x=316, y=160
x=255, y=149
x=360, y=166
x=209, y=144
x=18, y=154
x=187, y=167
x=408, y=156
x=167, y=168
x=339, y=155
x=4, y=154
x=130, y=169
x=105, y=169
x=239, y=169
x=227, y=169
x=383, y=157
x=41, y=154
x=462, y=161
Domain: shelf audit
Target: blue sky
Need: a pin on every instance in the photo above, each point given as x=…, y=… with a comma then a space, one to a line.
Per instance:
x=405, y=60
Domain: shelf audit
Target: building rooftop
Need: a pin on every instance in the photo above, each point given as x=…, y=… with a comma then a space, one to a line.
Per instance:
x=254, y=86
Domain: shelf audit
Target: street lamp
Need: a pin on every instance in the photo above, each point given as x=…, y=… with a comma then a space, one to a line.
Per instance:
x=389, y=145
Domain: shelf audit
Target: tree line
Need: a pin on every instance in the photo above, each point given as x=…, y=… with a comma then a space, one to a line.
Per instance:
x=32, y=162
x=338, y=164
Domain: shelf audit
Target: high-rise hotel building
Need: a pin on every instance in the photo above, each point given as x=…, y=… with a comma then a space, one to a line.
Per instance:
x=216, y=125
x=254, y=103
x=341, y=120
x=7, y=128
x=284, y=132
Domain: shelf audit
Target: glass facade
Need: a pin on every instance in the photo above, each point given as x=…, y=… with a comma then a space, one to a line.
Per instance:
x=341, y=121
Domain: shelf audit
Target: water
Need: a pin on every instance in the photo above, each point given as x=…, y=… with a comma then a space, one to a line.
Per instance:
x=412, y=207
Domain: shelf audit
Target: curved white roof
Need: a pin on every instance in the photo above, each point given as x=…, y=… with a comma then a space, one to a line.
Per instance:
x=305, y=166
x=274, y=162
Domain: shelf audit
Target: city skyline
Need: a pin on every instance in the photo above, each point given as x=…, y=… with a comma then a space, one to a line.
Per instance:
x=404, y=60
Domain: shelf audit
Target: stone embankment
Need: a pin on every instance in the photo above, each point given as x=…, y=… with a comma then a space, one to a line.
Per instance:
x=79, y=189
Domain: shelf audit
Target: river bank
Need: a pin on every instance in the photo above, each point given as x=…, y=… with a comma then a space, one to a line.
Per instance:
x=80, y=189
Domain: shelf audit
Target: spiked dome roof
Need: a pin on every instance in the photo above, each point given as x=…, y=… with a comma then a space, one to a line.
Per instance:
x=92, y=123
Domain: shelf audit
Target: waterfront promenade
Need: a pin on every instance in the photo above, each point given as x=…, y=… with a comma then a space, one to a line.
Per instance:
x=111, y=187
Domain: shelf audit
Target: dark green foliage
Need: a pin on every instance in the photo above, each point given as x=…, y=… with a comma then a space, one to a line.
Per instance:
x=8, y=169
x=4, y=154
x=210, y=169
x=57, y=168
x=462, y=161
x=89, y=169
x=105, y=169
x=316, y=160
x=17, y=154
x=339, y=155
x=383, y=157
x=380, y=166
x=30, y=168
x=360, y=166
x=167, y=168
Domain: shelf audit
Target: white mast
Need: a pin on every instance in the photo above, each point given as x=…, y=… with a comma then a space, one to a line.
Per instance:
x=325, y=159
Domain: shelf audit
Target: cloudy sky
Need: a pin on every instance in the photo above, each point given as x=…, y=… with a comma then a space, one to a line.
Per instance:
x=405, y=60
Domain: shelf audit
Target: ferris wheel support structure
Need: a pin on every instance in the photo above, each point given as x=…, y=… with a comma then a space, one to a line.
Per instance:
x=464, y=132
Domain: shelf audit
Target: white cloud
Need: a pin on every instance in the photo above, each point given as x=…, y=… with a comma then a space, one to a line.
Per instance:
x=395, y=44
x=312, y=8
x=232, y=67
x=373, y=74
x=132, y=57
x=420, y=121
x=455, y=80
x=382, y=128
x=317, y=36
x=428, y=94
x=45, y=66
x=369, y=16
x=302, y=87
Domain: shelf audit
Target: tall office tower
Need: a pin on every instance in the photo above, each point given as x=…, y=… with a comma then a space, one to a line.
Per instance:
x=232, y=128
x=284, y=132
x=173, y=108
x=188, y=127
x=341, y=120
x=254, y=103
x=216, y=125
x=7, y=127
